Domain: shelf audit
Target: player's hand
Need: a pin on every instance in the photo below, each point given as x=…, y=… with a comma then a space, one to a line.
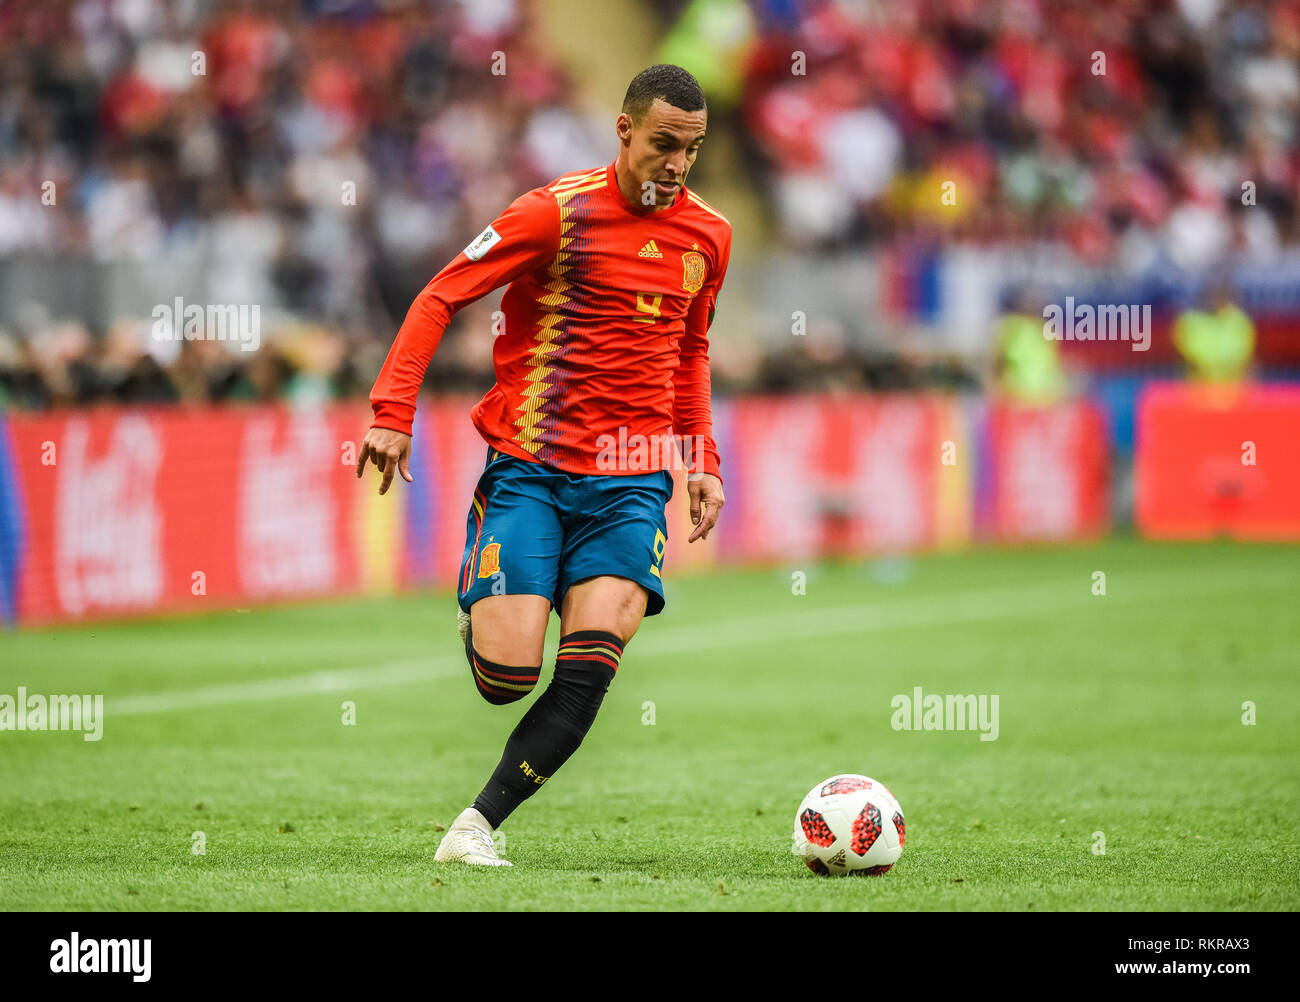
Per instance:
x=706, y=503
x=391, y=451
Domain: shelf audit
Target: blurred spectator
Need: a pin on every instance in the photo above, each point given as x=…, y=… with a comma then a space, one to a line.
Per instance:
x=1027, y=366
x=1217, y=343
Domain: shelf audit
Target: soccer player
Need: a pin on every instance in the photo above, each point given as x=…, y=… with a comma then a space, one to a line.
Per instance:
x=613, y=275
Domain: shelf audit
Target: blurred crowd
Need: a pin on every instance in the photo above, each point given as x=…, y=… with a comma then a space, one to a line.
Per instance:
x=321, y=158
x=325, y=157
x=1122, y=129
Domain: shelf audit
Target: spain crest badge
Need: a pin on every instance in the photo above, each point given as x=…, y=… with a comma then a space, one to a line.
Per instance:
x=489, y=561
x=693, y=270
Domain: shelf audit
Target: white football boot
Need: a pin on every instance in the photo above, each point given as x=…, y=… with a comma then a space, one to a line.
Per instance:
x=462, y=623
x=469, y=840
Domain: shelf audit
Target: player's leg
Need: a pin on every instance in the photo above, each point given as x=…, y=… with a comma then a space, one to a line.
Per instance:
x=598, y=618
x=609, y=579
x=504, y=643
x=612, y=604
x=512, y=548
x=510, y=628
x=513, y=543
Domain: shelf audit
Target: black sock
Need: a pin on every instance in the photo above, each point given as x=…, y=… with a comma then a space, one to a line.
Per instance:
x=555, y=724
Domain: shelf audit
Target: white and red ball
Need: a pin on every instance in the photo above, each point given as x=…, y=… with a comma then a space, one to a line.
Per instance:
x=849, y=825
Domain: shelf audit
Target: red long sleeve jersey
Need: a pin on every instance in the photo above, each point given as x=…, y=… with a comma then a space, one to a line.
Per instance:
x=604, y=348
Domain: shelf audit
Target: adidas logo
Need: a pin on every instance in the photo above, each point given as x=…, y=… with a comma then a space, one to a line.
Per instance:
x=649, y=250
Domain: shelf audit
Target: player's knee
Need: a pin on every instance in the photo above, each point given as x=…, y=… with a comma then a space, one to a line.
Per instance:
x=500, y=684
x=615, y=603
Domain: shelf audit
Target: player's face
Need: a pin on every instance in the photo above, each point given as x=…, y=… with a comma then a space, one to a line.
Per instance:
x=661, y=148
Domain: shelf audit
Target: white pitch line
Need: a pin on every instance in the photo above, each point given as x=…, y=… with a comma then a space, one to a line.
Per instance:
x=921, y=611
x=335, y=680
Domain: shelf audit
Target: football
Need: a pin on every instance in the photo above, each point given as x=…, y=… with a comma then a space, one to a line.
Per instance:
x=849, y=825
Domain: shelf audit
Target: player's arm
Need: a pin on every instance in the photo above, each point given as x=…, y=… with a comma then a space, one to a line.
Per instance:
x=693, y=406
x=524, y=237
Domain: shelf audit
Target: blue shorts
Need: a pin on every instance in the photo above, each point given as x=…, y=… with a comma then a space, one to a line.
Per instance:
x=536, y=530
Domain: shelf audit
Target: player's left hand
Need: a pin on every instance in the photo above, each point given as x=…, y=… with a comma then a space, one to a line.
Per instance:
x=705, y=491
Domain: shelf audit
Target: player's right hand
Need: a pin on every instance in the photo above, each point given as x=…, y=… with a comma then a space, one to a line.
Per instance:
x=391, y=451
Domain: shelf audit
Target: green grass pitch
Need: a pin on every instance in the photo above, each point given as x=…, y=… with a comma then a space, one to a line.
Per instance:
x=1120, y=714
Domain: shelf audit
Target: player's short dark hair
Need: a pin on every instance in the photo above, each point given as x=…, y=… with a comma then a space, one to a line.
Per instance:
x=664, y=80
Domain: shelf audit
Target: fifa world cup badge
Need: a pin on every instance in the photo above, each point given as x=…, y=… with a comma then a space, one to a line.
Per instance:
x=693, y=269
x=489, y=561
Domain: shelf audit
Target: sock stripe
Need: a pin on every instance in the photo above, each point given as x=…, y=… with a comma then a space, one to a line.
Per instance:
x=495, y=686
x=502, y=682
x=617, y=648
x=604, y=659
x=603, y=649
x=488, y=682
x=511, y=692
x=591, y=646
x=503, y=673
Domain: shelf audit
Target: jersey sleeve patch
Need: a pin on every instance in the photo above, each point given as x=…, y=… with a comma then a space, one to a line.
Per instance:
x=483, y=243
